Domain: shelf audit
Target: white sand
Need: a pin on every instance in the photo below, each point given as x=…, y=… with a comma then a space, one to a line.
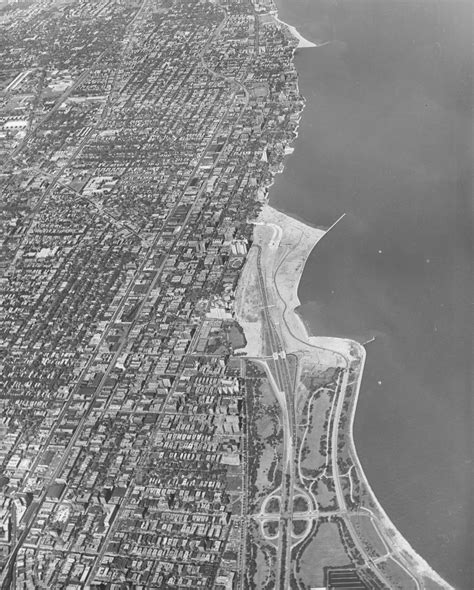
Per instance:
x=302, y=42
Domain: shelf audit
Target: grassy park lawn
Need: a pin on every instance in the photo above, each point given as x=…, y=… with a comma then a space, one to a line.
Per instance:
x=368, y=534
x=397, y=575
x=266, y=442
x=325, y=549
x=271, y=527
x=300, y=504
x=312, y=459
x=300, y=526
x=326, y=497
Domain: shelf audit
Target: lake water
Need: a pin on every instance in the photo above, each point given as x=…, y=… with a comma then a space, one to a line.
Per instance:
x=386, y=138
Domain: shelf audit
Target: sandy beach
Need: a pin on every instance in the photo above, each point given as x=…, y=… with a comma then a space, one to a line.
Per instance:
x=302, y=42
x=285, y=246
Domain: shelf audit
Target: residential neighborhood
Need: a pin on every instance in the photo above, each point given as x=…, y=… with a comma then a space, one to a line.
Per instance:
x=136, y=138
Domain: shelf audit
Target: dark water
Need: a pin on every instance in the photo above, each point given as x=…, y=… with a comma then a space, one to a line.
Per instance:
x=386, y=138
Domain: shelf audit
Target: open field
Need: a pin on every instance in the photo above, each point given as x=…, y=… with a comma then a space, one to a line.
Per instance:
x=272, y=506
x=315, y=377
x=368, y=534
x=326, y=496
x=300, y=526
x=235, y=336
x=300, y=504
x=397, y=575
x=248, y=303
x=325, y=549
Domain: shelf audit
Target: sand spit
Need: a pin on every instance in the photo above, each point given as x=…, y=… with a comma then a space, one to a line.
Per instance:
x=284, y=245
x=302, y=41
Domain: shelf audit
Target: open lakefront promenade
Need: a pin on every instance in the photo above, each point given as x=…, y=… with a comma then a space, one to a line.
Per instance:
x=385, y=138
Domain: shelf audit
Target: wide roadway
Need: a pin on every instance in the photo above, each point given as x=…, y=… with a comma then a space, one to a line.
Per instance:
x=284, y=382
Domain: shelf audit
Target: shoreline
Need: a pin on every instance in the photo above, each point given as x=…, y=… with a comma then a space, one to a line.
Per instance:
x=286, y=244
x=277, y=253
x=389, y=532
x=302, y=42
